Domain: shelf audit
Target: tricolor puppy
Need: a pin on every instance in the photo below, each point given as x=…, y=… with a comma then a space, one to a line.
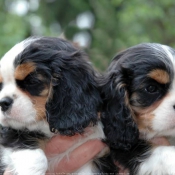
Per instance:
x=47, y=86
x=139, y=104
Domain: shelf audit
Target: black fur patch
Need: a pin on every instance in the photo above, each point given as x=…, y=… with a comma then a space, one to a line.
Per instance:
x=132, y=158
x=129, y=160
x=119, y=127
x=106, y=165
x=20, y=139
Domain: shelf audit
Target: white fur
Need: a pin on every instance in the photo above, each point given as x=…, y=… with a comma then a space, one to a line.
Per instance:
x=26, y=162
x=161, y=162
x=171, y=57
x=164, y=119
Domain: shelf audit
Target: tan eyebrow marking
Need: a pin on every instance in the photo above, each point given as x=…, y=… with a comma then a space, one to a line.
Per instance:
x=161, y=76
x=23, y=70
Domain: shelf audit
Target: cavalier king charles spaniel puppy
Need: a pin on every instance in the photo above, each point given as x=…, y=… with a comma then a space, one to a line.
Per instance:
x=138, y=92
x=47, y=86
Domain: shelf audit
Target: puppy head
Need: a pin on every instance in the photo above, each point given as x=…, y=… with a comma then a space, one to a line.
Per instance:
x=48, y=78
x=139, y=95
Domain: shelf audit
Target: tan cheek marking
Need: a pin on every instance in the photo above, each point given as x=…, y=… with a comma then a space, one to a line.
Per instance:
x=144, y=122
x=161, y=76
x=23, y=70
x=144, y=116
x=1, y=79
x=39, y=105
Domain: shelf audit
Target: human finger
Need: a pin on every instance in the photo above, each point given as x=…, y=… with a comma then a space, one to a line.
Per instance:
x=160, y=141
x=79, y=157
x=7, y=172
x=59, y=144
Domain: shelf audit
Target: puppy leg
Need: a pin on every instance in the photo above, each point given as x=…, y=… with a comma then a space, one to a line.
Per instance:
x=28, y=162
x=160, y=162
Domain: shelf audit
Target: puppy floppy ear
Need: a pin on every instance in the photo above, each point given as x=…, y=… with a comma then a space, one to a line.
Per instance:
x=117, y=117
x=75, y=98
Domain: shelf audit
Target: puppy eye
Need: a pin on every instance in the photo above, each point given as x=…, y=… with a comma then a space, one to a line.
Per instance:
x=32, y=82
x=151, y=89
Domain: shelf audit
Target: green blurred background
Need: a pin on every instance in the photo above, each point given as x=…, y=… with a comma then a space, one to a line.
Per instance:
x=101, y=27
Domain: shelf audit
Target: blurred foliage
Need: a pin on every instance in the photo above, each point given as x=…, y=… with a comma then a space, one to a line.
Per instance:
x=117, y=24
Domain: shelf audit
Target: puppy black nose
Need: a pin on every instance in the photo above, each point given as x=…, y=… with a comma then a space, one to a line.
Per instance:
x=5, y=103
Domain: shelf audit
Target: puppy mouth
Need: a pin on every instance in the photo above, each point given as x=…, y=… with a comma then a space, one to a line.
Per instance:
x=12, y=114
x=8, y=114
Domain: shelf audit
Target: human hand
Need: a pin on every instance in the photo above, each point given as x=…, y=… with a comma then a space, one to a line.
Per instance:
x=84, y=153
x=7, y=172
x=160, y=141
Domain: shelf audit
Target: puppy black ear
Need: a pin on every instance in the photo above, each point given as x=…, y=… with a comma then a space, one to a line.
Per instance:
x=117, y=117
x=75, y=98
